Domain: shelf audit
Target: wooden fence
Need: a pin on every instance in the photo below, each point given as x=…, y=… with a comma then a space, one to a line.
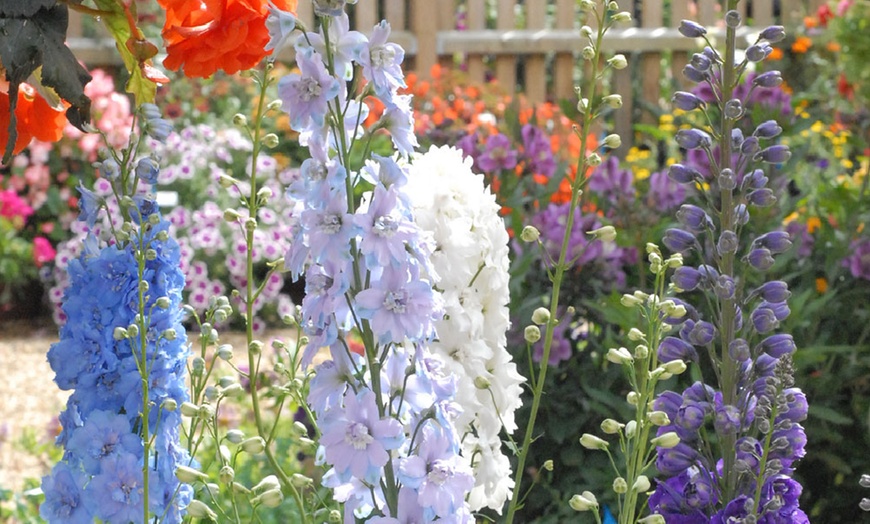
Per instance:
x=532, y=46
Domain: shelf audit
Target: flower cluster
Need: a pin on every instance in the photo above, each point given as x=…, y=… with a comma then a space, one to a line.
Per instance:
x=389, y=418
x=123, y=355
x=754, y=411
x=471, y=263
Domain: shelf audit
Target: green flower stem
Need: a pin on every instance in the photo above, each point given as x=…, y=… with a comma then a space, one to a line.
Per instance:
x=558, y=275
x=253, y=360
x=729, y=368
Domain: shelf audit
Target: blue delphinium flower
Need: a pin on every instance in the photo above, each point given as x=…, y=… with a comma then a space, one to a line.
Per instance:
x=123, y=307
x=305, y=94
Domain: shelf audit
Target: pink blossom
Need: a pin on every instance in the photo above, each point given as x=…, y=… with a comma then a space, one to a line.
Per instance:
x=43, y=251
x=13, y=206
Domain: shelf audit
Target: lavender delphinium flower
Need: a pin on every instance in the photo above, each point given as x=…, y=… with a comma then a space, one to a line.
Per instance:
x=389, y=418
x=753, y=408
x=498, y=154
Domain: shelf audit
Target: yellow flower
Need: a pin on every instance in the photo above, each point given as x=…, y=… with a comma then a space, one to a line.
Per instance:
x=813, y=224
x=641, y=174
x=817, y=127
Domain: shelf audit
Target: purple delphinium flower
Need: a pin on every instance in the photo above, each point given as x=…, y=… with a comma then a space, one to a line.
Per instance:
x=385, y=229
x=346, y=45
x=305, y=94
x=664, y=193
x=858, y=261
x=356, y=439
x=104, y=434
x=611, y=182
x=116, y=495
x=498, y=154
x=399, y=118
x=538, y=151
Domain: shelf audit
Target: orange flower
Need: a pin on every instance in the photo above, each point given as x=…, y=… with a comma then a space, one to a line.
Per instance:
x=810, y=22
x=35, y=118
x=776, y=54
x=833, y=47
x=813, y=224
x=801, y=45
x=204, y=36
x=821, y=284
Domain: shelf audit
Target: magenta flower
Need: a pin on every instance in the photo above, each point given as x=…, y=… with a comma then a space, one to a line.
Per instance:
x=859, y=261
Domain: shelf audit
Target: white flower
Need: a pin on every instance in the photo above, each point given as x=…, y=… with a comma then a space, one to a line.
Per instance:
x=470, y=258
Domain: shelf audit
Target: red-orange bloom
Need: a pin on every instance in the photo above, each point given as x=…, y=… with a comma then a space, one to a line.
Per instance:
x=801, y=45
x=206, y=35
x=35, y=118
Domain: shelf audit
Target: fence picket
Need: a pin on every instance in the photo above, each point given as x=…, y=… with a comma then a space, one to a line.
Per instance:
x=476, y=21
x=536, y=65
x=563, y=63
x=506, y=64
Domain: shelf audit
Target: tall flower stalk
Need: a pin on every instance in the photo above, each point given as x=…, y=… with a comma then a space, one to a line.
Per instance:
x=591, y=106
x=740, y=432
x=122, y=352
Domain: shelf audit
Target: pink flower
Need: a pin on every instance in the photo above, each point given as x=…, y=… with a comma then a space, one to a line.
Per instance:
x=43, y=251
x=14, y=207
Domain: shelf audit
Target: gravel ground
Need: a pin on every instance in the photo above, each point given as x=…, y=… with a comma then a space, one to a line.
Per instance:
x=29, y=399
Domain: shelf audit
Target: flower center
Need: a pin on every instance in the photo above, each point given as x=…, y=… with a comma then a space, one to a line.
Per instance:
x=309, y=89
x=382, y=56
x=439, y=474
x=357, y=435
x=385, y=226
x=396, y=301
x=330, y=224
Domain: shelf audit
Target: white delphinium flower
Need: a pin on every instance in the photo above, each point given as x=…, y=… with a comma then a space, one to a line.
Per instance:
x=471, y=261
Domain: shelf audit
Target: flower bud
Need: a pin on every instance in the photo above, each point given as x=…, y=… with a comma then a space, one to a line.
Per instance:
x=652, y=519
x=613, y=101
x=773, y=34
x=226, y=181
x=588, y=52
x=682, y=174
x=300, y=481
x=758, y=52
x=659, y=418
x=235, y=436
x=541, y=316
x=270, y=499
x=678, y=240
x=630, y=301
x=169, y=404
x=687, y=101
x=530, y=234
x=119, y=333
x=760, y=259
x=733, y=109
x=240, y=120
x=226, y=474
x=693, y=139
x=641, y=484
x=732, y=19
x=619, y=356
x=694, y=75
x=592, y=442
x=620, y=486
x=632, y=398
x=701, y=62
x=586, y=31
x=618, y=61
x=675, y=367
x=610, y=426
x=584, y=502
x=189, y=475
x=622, y=16
x=270, y=140
x=768, y=79
x=254, y=445
x=777, y=154
x=604, y=234
x=197, y=509
x=481, y=382
x=666, y=440
x=547, y=465
x=613, y=141
x=691, y=29
x=594, y=159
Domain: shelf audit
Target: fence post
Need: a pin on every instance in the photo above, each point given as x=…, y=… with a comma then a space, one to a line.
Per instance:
x=506, y=65
x=563, y=63
x=536, y=64
x=424, y=15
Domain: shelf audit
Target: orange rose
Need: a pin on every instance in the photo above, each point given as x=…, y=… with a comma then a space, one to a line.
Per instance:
x=35, y=119
x=204, y=36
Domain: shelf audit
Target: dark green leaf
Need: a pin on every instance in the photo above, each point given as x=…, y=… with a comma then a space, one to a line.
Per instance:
x=23, y=8
x=829, y=415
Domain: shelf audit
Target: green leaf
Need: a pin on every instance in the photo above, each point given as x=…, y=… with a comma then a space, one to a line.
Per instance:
x=115, y=20
x=829, y=415
x=38, y=41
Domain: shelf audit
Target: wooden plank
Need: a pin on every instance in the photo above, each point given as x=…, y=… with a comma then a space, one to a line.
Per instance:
x=423, y=13
x=395, y=14
x=536, y=64
x=707, y=15
x=679, y=58
x=74, y=29
x=476, y=21
x=651, y=63
x=506, y=64
x=623, y=116
x=563, y=63
x=366, y=16
x=305, y=13
x=762, y=13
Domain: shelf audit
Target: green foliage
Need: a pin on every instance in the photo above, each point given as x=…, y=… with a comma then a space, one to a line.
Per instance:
x=32, y=38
